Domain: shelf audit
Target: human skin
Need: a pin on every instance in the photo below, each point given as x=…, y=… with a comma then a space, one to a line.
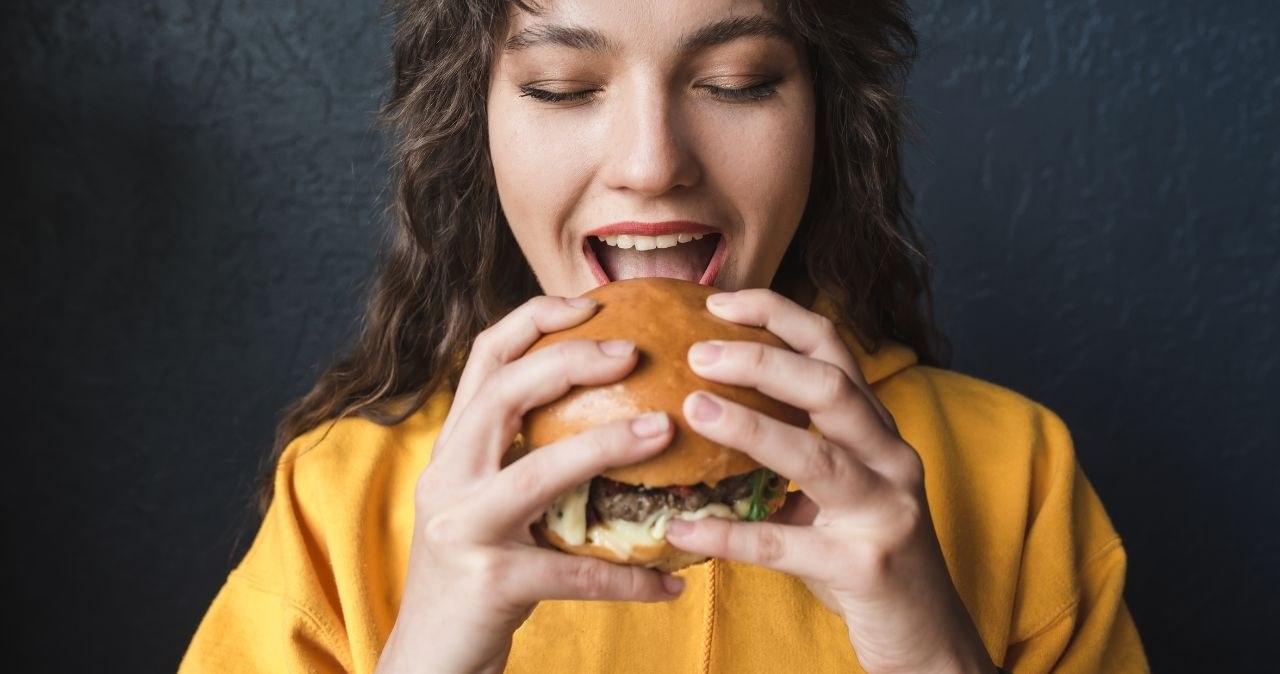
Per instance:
x=659, y=138
x=650, y=134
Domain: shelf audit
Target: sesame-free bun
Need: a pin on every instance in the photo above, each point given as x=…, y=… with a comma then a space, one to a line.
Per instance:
x=664, y=317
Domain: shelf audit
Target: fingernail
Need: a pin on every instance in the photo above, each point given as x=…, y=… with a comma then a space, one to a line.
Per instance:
x=580, y=302
x=706, y=353
x=719, y=299
x=649, y=425
x=672, y=584
x=678, y=527
x=617, y=347
x=705, y=409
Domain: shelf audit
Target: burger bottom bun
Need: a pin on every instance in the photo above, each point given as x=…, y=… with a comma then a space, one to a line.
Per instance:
x=662, y=556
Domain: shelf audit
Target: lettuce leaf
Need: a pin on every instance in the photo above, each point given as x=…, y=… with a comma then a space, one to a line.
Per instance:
x=759, y=495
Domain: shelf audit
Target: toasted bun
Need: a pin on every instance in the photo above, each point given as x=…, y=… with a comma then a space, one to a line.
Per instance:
x=664, y=317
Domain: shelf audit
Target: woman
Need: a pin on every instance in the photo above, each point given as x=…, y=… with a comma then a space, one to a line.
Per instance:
x=541, y=150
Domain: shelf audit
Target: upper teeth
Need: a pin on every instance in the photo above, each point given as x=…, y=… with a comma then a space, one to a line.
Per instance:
x=648, y=242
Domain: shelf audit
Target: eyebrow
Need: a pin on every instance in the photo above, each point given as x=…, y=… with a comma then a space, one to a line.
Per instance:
x=718, y=32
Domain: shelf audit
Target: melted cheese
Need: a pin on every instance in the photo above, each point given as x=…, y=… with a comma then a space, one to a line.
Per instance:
x=567, y=517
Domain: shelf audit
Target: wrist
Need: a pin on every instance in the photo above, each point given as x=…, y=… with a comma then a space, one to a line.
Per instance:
x=967, y=658
x=974, y=661
x=955, y=663
x=430, y=642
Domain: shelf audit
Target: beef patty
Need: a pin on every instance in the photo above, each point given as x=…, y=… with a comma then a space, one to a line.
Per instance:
x=617, y=500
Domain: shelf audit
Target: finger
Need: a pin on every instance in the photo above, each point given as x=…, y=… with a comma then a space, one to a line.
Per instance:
x=521, y=492
x=510, y=337
x=793, y=550
x=798, y=510
x=489, y=422
x=835, y=405
x=808, y=333
x=546, y=574
x=831, y=475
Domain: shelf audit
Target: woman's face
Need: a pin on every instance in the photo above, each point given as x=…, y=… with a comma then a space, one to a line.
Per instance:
x=619, y=130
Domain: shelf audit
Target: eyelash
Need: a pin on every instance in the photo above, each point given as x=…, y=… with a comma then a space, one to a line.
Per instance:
x=749, y=94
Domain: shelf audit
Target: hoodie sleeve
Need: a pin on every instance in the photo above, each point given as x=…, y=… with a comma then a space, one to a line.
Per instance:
x=1069, y=614
x=270, y=615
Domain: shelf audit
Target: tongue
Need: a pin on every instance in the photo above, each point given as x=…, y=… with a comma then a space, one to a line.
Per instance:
x=686, y=261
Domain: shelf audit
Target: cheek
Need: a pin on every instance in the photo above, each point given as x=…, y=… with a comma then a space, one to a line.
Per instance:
x=768, y=178
x=535, y=166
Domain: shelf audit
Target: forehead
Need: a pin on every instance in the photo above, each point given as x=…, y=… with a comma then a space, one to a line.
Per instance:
x=616, y=27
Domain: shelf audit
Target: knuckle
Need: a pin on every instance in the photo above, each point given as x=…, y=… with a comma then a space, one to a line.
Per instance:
x=875, y=560
x=567, y=355
x=492, y=571
x=636, y=584
x=821, y=460
x=485, y=344
x=770, y=545
x=755, y=294
x=499, y=398
x=826, y=326
x=509, y=386
x=530, y=475
x=888, y=418
x=591, y=578
x=902, y=523
x=834, y=384
x=910, y=516
x=483, y=338
x=908, y=470
x=750, y=427
x=498, y=387
x=541, y=303
x=443, y=529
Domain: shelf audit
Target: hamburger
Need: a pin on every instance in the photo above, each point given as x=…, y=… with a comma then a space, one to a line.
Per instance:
x=622, y=514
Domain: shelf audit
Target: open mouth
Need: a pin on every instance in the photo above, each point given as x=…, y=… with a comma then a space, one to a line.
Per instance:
x=690, y=255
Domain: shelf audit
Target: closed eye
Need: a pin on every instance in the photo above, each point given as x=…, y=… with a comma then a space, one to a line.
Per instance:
x=754, y=92
x=749, y=94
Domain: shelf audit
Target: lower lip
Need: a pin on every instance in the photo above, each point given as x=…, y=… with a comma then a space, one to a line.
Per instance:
x=708, y=276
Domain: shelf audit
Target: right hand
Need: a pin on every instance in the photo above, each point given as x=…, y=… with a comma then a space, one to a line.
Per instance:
x=475, y=573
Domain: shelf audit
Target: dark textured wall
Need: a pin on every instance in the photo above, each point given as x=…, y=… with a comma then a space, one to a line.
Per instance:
x=190, y=219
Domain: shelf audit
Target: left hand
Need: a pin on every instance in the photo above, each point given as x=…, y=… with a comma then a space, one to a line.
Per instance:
x=859, y=533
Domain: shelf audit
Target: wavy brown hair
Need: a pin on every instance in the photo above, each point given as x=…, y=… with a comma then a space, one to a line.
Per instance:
x=451, y=266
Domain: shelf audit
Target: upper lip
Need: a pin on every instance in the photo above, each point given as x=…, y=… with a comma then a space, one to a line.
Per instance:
x=653, y=228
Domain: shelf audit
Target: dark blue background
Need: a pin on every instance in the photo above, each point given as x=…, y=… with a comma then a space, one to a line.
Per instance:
x=190, y=219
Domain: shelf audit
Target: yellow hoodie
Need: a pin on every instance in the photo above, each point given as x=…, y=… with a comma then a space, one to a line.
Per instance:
x=1030, y=548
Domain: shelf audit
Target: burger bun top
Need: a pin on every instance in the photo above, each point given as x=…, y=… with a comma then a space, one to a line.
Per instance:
x=664, y=317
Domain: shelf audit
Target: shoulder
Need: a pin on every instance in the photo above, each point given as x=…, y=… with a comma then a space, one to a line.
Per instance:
x=998, y=452
x=329, y=479
x=933, y=400
x=353, y=453
x=1012, y=504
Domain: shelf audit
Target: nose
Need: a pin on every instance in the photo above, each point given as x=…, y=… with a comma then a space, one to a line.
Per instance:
x=648, y=150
